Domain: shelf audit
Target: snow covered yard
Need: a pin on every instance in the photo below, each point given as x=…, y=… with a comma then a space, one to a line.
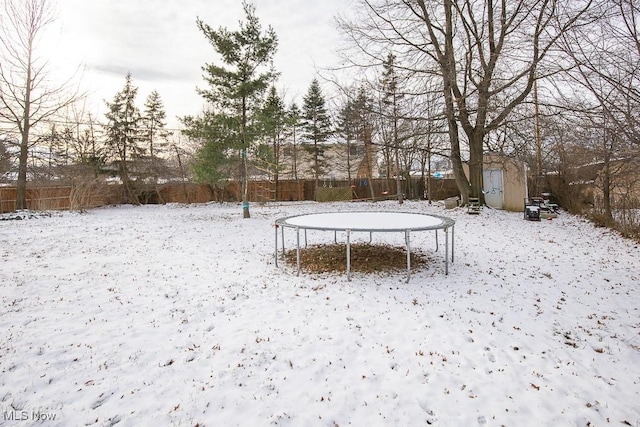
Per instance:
x=176, y=315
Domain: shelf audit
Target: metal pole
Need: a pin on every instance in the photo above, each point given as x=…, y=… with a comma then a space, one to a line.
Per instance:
x=348, y=255
x=453, y=244
x=407, y=242
x=437, y=240
x=298, y=249
x=282, y=241
x=275, y=255
x=446, y=251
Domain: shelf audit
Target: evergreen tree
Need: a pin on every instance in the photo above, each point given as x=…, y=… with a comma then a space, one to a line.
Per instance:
x=123, y=134
x=272, y=119
x=316, y=126
x=391, y=98
x=212, y=161
x=88, y=154
x=154, y=132
x=362, y=112
x=293, y=124
x=153, y=120
x=236, y=88
x=49, y=153
x=355, y=126
x=345, y=128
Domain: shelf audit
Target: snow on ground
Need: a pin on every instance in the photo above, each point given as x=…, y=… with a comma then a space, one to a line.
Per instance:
x=177, y=315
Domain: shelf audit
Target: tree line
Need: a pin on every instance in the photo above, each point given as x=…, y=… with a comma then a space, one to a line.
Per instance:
x=551, y=83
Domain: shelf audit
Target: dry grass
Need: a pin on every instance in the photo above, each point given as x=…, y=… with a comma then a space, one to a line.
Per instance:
x=365, y=258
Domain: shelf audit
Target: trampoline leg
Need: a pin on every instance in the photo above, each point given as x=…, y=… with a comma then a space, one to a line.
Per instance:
x=446, y=252
x=407, y=241
x=437, y=241
x=275, y=257
x=282, y=242
x=298, y=249
x=305, y=237
x=348, y=255
x=453, y=245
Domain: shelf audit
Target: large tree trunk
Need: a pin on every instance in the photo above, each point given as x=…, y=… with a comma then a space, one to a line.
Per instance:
x=245, y=185
x=316, y=169
x=21, y=185
x=606, y=189
x=25, y=128
x=398, y=180
x=476, y=167
x=244, y=169
x=456, y=162
x=454, y=139
x=276, y=169
x=448, y=67
x=368, y=148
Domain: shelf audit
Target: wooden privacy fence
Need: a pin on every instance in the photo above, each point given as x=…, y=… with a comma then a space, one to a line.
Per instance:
x=94, y=194
x=414, y=188
x=38, y=198
x=62, y=197
x=291, y=190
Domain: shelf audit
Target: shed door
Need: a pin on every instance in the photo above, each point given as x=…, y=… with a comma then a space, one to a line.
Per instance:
x=493, y=188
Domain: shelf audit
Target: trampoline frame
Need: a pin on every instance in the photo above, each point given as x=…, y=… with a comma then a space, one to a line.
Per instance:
x=445, y=224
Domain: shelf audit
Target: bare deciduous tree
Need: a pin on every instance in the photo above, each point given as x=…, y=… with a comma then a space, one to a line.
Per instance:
x=605, y=90
x=27, y=97
x=485, y=53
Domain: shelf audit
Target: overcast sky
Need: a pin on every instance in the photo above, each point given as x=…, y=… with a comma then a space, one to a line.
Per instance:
x=159, y=43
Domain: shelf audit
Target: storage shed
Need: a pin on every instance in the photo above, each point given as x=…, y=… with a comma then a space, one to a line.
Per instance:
x=504, y=182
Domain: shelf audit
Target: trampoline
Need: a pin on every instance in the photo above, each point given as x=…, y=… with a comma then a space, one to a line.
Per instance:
x=371, y=222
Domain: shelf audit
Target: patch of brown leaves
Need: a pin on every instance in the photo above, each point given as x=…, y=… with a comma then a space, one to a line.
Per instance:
x=365, y=258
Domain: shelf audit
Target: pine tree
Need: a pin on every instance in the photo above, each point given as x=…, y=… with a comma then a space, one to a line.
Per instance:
x=293, y=124
x=123, y=135
x=237, y=87
x=50, y=146
x=88, y=154
x=391, y=98
x=154, y=132
x=345, y=127
x=316, y=126
x=363, y=129
x=208, y=166
x=272, y=119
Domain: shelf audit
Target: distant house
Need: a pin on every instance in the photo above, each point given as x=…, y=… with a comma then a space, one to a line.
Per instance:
x=338, y=162
x=624, y=183
x=583, y=186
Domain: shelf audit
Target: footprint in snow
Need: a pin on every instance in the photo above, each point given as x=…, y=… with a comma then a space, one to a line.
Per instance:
x=490, y=356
